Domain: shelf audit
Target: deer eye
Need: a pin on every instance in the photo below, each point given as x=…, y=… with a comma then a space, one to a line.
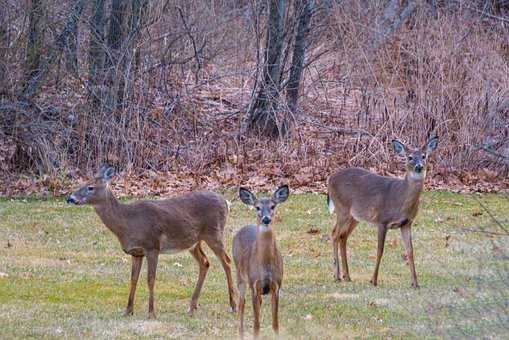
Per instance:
x=90, y=188
x=257, y=208
x=410, y=158
x=423, y=156
x=272, y=207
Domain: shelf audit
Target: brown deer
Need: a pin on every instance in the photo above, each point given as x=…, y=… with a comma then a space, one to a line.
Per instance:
x=148, y=228
x=257, y=259
x=389, y=203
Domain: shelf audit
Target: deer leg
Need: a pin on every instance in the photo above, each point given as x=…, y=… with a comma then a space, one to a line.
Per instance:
x=406, y=236
x=256, y=297
x=343, y=237
x=382, y=232
x=152, y=258
x=135, y=274
x=242, y=303
x=218, y=249
x=275, y=308
x=335, y=251
x=203, y=264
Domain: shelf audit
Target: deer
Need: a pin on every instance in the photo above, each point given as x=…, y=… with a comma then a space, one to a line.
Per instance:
x=148, y=228
x=356, y=194
x=257, y=259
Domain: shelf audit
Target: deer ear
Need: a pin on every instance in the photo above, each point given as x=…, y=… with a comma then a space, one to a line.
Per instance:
x=107, y=173
x=399, y=147
x=246, y=196
x=432, y=144
x=281, y=194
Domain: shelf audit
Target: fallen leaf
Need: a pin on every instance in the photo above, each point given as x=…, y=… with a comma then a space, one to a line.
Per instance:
x=313, y=231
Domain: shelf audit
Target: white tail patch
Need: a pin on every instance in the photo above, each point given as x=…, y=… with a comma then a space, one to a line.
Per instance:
x=331, y=206
x=228, y=204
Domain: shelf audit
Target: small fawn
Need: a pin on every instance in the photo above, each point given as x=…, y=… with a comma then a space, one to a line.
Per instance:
x=389, y=203
x=257, y=259
x=148, y=228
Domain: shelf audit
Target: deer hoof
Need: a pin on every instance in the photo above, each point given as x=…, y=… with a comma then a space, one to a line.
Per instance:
x=151, y=316
x=128, y=312
x=192, y=309
x=415, y=285
x=374, y=282
x=347, y=279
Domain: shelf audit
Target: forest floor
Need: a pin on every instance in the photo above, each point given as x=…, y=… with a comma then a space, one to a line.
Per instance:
x=63, y=274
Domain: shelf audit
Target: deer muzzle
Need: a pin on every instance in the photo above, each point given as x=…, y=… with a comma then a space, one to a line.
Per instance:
x=71, y=199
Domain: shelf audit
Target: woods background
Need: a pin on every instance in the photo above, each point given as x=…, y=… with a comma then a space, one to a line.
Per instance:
x=191, y=94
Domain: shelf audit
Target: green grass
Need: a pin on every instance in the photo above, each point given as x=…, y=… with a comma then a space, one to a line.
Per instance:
x=67, y=276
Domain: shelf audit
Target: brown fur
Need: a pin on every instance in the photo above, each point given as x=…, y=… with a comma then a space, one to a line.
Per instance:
x=147, y=228
x=388, y=203
x=258, y=261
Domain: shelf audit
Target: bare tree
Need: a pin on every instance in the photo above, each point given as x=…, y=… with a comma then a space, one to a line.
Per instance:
x=96, y=54
x=395, y=14
x=304, y=10
x=38, y=73
x=262, y=113
x=35, y=40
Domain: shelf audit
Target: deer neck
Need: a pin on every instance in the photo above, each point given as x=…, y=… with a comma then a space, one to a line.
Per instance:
x=413, y=185
x=265, y=245
x=110, y=213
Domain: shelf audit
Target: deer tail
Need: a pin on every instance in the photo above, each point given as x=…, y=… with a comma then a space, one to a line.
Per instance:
x=330, y=204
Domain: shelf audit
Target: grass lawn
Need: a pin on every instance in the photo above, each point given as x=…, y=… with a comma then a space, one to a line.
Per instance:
x=63, y=274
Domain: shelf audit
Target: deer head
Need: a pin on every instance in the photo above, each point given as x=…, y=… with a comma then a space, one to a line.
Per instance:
x=415, y=157
x=94, y=191
x=265, y=207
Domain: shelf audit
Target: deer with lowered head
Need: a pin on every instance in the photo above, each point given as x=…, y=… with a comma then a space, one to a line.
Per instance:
x=148, y=228
x=257, y=259
x=389, y=203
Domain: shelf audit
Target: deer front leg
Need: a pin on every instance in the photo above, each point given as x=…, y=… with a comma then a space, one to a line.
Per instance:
x=242, y=302
x=382, y=232
x=275, y=308
x=257, y=298
x=135, y=274
x=152, y=258
x=406, y=236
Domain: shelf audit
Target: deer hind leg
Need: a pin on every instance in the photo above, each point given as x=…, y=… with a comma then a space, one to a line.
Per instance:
x=152, y=258
x=406, y=236
x=137, y=261
x=218, y=249
x=203, y=264
x=382, y=232
x=341, y=224
x=343, y=237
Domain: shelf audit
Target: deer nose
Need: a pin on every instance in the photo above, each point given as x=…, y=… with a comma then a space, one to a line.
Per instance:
x=418, y=168
x=266, y=220
x=72, y=200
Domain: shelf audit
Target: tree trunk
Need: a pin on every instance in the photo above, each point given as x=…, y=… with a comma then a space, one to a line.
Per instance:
x=115, y=45
x=4, y=45
x=394, y=16
x=304, y=9
x=263, y=118
x=130, y=62
x=41, y=71
x=96, y=57
x=35, y=41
